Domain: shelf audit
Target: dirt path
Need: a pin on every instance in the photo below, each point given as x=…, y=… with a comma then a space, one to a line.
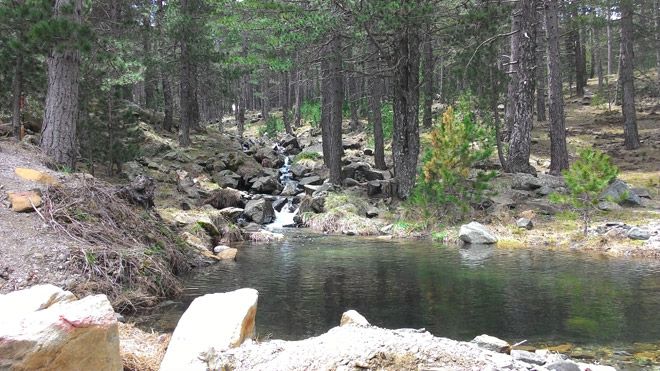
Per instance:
x=30, y=251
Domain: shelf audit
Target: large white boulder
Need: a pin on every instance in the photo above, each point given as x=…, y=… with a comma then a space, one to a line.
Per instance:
x=476, y=233
x=45, y=328
x=213, y=322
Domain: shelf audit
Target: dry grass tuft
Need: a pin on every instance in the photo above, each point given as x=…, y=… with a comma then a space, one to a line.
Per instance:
x=141, y=351
x=134, y=258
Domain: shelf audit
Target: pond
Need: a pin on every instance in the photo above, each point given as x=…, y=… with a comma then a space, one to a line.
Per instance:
x=307, y=281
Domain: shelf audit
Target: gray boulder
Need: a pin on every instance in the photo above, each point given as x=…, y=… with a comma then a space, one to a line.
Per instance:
x=290, y=189
x=260, y=211
x=476, y=233
x=608, y=206
x=528, y=357
x=372, y=212
x=525, y=182
x=563, y=366
x=492, y=343
x=635, y=233
x=300, y=170
x=620, y=192
x=525, y=223
x=266, y=184
x=311, y=180
x=227, y=178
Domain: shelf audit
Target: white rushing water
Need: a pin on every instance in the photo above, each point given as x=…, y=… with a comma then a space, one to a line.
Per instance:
x=284, y=218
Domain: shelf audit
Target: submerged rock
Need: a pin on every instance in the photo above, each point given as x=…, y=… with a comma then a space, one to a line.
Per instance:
x=212, y=323
x=476, y=233
x=45, y=328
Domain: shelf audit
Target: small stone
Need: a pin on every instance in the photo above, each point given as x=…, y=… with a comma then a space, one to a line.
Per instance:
x=524, y=223
x=638, y=234
x=353, y=318
x=544, y=191
x=220, y=248
x=372, y=212
x=620, y=192
x=492, y=343
x=608, y=206
x=642, y=192
x=476, y=233
x=563, y=366
x=228, y=254
x=528, y=357
x=24, y=201
x=36, y=176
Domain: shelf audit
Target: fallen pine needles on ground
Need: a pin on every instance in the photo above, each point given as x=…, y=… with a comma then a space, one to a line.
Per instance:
x=134, y=258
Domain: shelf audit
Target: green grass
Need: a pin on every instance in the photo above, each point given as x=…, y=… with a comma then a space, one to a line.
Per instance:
x=306, y=156
x=310, y=111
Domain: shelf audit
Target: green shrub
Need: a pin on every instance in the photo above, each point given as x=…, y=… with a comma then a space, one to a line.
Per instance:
x=447, y=181
x=310, y=111
x=273, y=126
x=306, y=156
x=586, y=179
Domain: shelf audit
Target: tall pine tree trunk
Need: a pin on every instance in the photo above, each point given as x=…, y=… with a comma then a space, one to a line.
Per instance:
x=610, y=55
x=58, y=133
x=17, y=91
x=512, y=87
x=558, y=151
x=520, y=140
x=331, y=115
x=167, y=101
x=627, y=77
x=286, y=106
x=405, y=90
x=375, y=116
x=541, y=74
x=297, y=117
x=656, y=16
x=427, y=119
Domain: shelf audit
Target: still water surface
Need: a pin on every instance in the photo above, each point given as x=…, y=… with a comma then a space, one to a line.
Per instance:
x=307, y=281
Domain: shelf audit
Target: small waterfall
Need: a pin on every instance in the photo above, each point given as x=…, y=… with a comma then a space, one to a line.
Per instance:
x=284, y=217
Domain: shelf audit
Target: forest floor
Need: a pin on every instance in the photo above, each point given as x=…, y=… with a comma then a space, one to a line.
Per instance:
x=596, y=126
x=31, y=252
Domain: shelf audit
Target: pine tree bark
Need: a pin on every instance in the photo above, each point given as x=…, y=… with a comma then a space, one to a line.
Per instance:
x=541, y=75
x=510, y=108
x=520, y=140
x=297, y=116
x=558, y=150
x=167, y=102
x=598, y=56
x=242, y=103
x=331, y=110
x=58, y=133
x=150, y=79
x=286, y=106
x=185, y=95
x=656, y=16
x=375, y=115
x=580, y=68
x=428, y=68
x=405, y=90
x=17, y=91
x=610, y=56
x=631, y=137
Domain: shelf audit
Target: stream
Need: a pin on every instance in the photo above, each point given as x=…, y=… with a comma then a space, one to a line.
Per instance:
x=307, y=281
